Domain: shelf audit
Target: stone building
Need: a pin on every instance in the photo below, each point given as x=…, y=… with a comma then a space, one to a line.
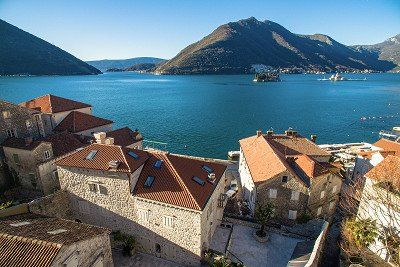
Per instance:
x=33, y=240
x=170, y=203
x=380, y=203
x=56, y=107
x=291, y=172
x=21, y=122
x=32, y=162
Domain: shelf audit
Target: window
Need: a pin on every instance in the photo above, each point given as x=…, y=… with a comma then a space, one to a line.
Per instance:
x=158, y=164
x=322, y=194
x=198, y=180
x=6, y=114
x=55, y=176
x=47, y=154
x=295, y=195
x=16, y=159
x=11, y=133
x=169, y=221
x=149, y=181
x=208, y=169
x=158, y=248
x=284, y=179
x=98, y=189
x=143, y=215
x=32, y=178
x=334, y=189
x=133, y=155
x=319, y=211
x=292, y=214
x=91, y=155
x=332, y=205
x=273, y=193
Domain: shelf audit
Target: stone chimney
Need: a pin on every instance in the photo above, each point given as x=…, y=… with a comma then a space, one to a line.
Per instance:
x=313, y=138
x=100, y=137
x=109, y=141
x=259, y=133
x=270, y=132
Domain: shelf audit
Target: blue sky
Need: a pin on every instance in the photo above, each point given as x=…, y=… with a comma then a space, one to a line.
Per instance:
x=124, y=29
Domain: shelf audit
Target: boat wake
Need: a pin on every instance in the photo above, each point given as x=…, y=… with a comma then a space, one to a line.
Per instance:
x=324, y=79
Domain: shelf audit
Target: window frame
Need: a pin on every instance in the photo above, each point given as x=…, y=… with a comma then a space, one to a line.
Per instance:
x=292, y=214
x=319, y=210
x=47, y=154
x=285, y=179
x=168, y=221
x=322, y=195
x=295, y=193
x=273, y=196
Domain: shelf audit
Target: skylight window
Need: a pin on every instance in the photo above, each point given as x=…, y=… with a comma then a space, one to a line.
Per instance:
x=158, y=164
x=91, y=154
x=149, y=181
x=208, y=169
x=198, y=180
x=19, y=224
x=133, y=155
x=58, y=231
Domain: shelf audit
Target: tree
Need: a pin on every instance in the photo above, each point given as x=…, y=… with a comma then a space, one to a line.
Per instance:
x=361, y=199
x=264, y=214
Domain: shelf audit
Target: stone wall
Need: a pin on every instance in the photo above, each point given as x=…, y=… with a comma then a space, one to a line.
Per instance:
x=118, y=210
x=87, y=252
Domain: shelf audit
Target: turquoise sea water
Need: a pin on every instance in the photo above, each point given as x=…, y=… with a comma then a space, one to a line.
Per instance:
x=207, y=115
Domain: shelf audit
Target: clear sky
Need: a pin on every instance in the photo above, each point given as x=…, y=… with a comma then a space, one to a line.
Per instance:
x=124, y=29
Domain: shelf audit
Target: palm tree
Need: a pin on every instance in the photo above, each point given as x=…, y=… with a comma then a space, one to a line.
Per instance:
x=263, y=214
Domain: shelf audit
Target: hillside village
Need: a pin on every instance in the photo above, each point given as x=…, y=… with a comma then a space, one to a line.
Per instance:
x=77, y=192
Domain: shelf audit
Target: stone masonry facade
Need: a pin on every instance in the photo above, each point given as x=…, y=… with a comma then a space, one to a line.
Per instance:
x=182, y=240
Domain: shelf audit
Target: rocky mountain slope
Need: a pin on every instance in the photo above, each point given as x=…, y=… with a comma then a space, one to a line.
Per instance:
x=235, y=47
x=22, y=53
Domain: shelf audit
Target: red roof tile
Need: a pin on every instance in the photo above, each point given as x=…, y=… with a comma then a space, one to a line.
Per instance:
x=173, y=183
x=389, y=146
x=105, y=154
x=53, y=104
x=125, y=136
x=388, y=170
x=32, y=245
x=76, y=122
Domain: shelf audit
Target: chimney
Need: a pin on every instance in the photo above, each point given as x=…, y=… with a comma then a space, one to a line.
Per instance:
x=259, y=133
x=313, y=138
x=270, y=132
x=114, y=164
x=100, y=137
x=211, y=177
x=109, y=141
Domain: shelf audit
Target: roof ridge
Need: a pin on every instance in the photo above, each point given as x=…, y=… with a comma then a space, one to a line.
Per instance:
x=180, y=181
x=51, y=106
x=31, y=240
x=123, y=155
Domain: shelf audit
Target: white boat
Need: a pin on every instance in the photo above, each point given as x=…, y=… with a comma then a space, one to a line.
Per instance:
x=337, y=77
x=396, y=129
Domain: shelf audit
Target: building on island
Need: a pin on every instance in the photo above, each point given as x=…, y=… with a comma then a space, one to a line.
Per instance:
x=291, y=172
x=33, y=240
x=380, y=203
x=170, y=203
x=32, y=162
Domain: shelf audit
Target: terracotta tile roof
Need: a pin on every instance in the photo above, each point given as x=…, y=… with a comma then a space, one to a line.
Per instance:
x=173, y=183
x=76, y=122
x=62, y=143
x=105, y=154
x=53, y=104
x=32, y=245
x=265, y=157
x=388, y=170
x=291, y=146
x=4, y=105
x=125, y=136
x=389, y=145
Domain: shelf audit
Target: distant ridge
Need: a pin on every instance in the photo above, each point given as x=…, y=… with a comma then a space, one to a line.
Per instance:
x=106, y=64
x=234, y=48
x=22, y=53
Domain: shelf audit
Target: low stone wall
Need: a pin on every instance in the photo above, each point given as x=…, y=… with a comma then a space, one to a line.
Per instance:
x=54, y=205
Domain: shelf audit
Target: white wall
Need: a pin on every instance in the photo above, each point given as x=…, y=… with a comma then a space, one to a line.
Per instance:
x=246, y=181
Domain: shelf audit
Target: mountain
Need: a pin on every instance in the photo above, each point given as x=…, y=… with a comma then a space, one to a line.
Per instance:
x=22, y=53
x=388, y=50
x=236, y=47
x=106, y=64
